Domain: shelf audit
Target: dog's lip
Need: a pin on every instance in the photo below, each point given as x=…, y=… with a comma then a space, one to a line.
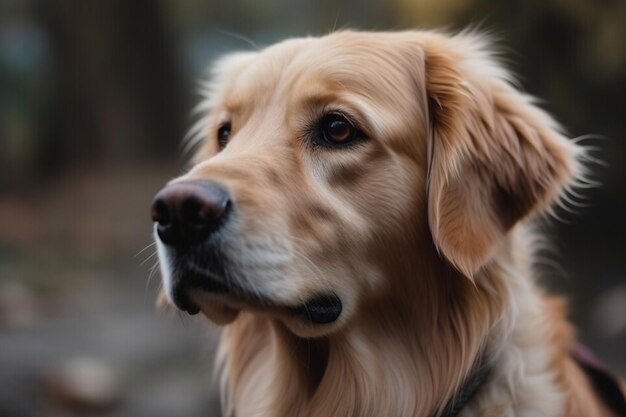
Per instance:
x=182, y=300
x=322, y=309
x=188, y=282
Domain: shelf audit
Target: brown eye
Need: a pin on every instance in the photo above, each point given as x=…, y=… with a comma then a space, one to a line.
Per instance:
x=223, y=134
x=337, y=129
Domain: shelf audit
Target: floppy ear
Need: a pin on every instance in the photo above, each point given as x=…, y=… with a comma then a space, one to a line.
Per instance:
x=494, y=157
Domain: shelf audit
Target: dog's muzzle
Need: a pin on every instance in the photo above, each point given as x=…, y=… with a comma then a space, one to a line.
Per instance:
x=189, y=217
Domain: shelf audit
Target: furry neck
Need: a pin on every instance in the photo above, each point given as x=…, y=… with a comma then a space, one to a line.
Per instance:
x=405, y=355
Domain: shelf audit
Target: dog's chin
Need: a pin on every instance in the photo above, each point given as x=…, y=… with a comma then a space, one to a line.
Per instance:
x=223, y=314
x=217, y=312
x=317, y=316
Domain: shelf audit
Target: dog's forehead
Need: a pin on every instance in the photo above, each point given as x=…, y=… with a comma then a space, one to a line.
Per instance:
x=347, y=61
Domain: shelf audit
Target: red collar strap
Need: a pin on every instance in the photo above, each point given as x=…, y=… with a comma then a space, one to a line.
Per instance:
x=605, y=383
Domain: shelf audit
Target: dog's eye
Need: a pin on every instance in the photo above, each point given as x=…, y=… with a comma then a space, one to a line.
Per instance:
x=223, y=134
x=337, y=130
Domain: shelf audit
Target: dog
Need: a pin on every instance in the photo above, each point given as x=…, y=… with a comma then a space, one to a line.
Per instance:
x=361, y=214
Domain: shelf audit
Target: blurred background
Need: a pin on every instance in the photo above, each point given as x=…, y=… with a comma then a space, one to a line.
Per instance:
x=95, y=97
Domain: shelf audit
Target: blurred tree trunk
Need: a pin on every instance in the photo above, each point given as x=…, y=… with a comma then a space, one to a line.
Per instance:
x=117, y=91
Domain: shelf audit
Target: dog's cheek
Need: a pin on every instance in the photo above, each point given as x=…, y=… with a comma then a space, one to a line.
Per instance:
x=391, y=200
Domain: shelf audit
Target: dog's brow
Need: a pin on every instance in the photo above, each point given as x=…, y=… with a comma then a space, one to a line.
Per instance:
x=320, y=98
x=233, y=104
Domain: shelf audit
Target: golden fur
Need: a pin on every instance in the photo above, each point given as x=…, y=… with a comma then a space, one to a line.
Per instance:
x=424, y=230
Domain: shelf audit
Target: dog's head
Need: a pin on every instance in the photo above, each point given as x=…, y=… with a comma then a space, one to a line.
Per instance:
x=328, y=167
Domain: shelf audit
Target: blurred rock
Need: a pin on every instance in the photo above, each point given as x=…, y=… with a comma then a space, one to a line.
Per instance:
x=609, y=316
x=82, y=384
x=18, y=221
x=18, y=305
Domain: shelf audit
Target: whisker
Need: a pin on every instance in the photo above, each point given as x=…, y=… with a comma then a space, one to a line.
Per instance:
x=144, y=249
x=148, y=258
x=239, y=37
x=149, y=280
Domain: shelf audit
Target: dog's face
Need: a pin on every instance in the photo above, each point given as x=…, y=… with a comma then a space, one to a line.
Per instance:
x=326, y=163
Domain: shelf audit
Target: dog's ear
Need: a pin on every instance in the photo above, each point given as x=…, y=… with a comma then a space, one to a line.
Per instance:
x=494, y=157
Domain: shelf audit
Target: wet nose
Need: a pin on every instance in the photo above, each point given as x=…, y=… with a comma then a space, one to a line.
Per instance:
x=187, y=213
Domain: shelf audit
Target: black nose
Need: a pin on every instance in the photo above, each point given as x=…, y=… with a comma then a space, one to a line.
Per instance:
x=187, y=213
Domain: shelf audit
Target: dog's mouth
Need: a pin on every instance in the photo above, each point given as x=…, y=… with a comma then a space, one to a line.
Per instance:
x=195, y=292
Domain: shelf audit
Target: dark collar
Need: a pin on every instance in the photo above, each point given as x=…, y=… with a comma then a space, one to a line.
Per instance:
x=472, y=383
x=605, y=384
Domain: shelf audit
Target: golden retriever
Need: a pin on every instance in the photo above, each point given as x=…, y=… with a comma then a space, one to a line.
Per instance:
x=359, y=213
